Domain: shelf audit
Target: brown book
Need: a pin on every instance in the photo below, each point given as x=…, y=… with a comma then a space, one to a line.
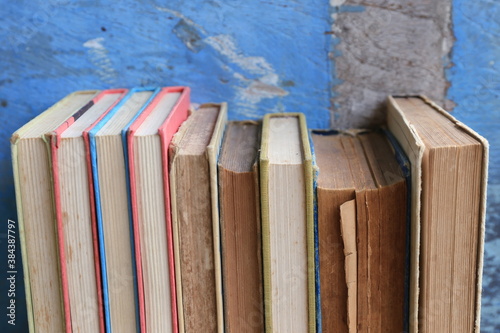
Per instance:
x=240, y=228
x=449, y=171
x=195, y=227
x=361, y=167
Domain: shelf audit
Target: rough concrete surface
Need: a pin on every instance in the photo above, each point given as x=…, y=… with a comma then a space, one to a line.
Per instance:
x=386, y=47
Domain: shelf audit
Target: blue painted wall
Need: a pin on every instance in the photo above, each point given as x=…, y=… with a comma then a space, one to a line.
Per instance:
x=475, y=87
x=260, y=56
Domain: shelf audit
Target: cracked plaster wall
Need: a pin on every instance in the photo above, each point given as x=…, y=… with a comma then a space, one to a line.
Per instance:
x=384, y=47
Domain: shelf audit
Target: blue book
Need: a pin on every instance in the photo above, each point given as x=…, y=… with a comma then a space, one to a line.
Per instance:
x=317, y=285
x=109, y=161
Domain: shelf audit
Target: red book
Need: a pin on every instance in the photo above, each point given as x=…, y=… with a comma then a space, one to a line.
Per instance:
x=148, y=141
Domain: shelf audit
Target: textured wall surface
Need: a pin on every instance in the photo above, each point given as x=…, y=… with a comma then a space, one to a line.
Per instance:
x=384, y=47
x=322, y=57
x=475, y=88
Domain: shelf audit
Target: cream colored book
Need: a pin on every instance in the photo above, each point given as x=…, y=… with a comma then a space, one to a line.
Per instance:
x=195, y=218
x=449, y=171
x=287, y=210
x=37, y=229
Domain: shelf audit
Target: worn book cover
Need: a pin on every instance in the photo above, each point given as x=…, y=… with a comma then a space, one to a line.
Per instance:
x=143, y=224
x=361, y=244
x=300, y=271
x=195, y=215
x=36, y=215
x=420, y=125
x=81, y=311
x=108, y=166
x=240, y=229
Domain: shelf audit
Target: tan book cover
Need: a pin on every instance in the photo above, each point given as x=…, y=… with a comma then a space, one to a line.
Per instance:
x=36, y=217
x=419, y=138
x=193, y=179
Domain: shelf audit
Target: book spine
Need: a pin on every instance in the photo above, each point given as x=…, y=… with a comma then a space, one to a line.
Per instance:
x=213, y=155
x=140, y=318
x=177, y=116
x=317, y=281
x=22, y=237
x=97, y=230
x=404, y=163
x=266, y=240
x=53, y=140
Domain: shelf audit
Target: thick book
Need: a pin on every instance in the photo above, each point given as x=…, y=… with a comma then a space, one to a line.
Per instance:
x=287, y=208
x=75, y=216
x=449, y=163
x=240, y=229
x=148, y=139
x=195, y=216
x=114, y=221
x=362, y=217
x=36, y=216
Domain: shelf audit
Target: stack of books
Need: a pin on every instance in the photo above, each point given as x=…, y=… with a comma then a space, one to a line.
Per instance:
x=138, y=214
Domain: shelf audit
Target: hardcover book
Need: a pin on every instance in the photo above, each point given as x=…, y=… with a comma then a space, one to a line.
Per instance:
x=36, y=216
x=148, y=139
x=449, y=165
x=109, y=174
x=240, y=228
x=76, y=225
x=286, y=184
x=362, y=218
x=195, y=216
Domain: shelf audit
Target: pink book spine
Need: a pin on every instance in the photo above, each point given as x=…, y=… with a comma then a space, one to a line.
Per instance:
x=55, y=140
x=166, y=131
x=178, y=115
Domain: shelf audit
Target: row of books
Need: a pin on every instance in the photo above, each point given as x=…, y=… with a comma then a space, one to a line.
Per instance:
x=138, y=214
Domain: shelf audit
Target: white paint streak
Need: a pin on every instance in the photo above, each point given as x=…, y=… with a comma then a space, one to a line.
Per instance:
x=181, y=16
x=336, y=3
x=95, y=43
x=334, y=28
x=266, y=86
x=225, y=45
x=99, y=57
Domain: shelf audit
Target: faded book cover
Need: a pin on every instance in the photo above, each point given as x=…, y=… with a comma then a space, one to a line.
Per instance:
x=193, y=179
x=240, y=228
x=414, y=143
x=38, y=239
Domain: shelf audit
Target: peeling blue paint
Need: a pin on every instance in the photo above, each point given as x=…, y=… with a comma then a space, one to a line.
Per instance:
x=259, y=56
x=189, y=35
x=475, y=87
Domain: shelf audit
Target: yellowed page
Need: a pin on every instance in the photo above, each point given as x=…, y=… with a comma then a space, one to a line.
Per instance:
x=484, y=183
x=348, y=229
